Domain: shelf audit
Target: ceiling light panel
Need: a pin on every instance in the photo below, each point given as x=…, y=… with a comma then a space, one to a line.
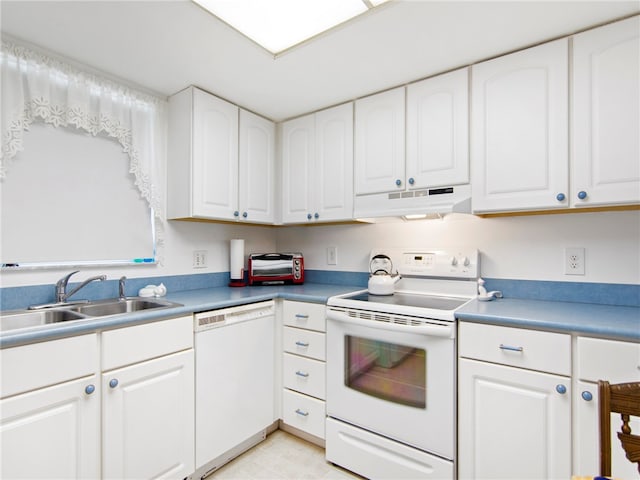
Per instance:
x=280, y=24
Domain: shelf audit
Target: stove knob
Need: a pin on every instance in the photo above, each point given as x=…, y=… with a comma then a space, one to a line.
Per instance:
x=465, y=261
x=454, y=261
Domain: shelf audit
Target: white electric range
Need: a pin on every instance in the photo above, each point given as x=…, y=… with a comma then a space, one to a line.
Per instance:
x=391, y=401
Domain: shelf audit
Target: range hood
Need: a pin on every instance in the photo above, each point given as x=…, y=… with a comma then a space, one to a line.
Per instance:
x=428, y=201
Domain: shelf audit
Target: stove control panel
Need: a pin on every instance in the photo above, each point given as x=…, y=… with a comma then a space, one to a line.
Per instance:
x=425, y=262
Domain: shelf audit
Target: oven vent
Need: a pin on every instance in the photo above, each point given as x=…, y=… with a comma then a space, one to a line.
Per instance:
x=390, y=318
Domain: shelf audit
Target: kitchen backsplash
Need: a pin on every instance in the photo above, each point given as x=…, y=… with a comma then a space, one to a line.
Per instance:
x=601, y=293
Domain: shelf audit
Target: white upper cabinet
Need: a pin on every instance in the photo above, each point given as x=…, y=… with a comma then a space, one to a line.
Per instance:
x=380, y=142
x=298, y=152
x=211, y=166
x=256, y=168
x=317, y=166
x=605, y=156
x=438, y=131
x=519, y=130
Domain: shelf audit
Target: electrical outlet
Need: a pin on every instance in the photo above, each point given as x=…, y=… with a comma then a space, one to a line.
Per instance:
x=332, y=255
x=199, y=259
x=574, y=261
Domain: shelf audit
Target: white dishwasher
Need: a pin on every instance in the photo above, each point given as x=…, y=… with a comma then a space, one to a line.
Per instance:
x=234, y=352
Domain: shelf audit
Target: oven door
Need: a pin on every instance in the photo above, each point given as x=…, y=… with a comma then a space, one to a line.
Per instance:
x=392, y=379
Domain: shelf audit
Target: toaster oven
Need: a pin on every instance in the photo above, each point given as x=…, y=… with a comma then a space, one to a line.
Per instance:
x=276, y=268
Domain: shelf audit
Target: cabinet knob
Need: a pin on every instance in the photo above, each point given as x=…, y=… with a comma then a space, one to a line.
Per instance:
x=560, y=197
x=236, y=213
x=89, y=389
x=113, y=383
x=412, y=181
x=561, y=389
x=398, y=182
x=245, y=214
x=309, y=216
x=316, y=215
x=582, y=194
x=587, y=396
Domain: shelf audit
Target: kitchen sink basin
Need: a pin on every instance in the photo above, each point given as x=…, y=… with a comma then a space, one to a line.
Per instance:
x=56, y=313
x=34, y=318
x=115, y=307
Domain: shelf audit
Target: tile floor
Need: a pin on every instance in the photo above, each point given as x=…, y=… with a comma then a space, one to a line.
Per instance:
x=282, y=456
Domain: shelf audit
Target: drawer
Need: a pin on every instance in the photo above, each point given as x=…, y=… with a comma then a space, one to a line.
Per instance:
x=610, y=360
x=517, y=347
x=303, y=412
x=304, y=375
x=38, y=365
x=304, y=315
x=304, y=342
x=125, y=346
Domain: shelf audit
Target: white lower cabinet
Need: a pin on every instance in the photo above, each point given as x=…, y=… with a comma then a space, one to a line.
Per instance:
x=50, y=409
x=52, y=432
x=148, y=419
x=599, y=359
x=513, y=421
x=304, y=369
x=61, y=418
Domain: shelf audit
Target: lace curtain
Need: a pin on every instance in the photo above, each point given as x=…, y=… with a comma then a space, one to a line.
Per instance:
x=37, y=87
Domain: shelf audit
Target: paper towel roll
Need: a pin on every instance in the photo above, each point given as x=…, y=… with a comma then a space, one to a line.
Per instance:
x=236, y=259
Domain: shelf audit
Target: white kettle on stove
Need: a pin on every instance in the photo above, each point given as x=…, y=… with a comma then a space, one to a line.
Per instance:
x=381, y=279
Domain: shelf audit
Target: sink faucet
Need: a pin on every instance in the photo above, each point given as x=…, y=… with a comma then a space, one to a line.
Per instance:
x=61, y=286
x=121, y=292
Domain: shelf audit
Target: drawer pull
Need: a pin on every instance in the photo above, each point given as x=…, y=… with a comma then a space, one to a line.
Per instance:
x=561, y=389
x=587, y=396
x=302, y=374
x=302, y=316
x=302, y=412
x=302, y=344
x=89, y=389
x=113, y=383
x=510, y=348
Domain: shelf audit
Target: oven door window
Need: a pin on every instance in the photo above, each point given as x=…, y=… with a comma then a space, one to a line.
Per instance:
x=396, y=373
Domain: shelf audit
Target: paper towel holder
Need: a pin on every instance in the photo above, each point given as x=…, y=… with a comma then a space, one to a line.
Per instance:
x=236, y=263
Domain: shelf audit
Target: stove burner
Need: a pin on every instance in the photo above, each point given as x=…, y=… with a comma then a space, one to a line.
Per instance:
x=412, y=300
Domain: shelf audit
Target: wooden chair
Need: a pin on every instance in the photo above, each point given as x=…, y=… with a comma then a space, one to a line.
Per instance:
x=622, y=398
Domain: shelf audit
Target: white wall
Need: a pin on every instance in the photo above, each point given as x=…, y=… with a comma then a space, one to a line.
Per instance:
x=523, y=247
x=180, y=240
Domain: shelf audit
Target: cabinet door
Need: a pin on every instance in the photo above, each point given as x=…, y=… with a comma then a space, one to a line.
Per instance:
x=215, y=157
x=586, y=445
x=332, y=181
x=53, y=432
x=256, y=168
x=148, y=419
x=438, y=131
x=298, y=150
x=512, y=423
x=519, y=124
x=606, y=116
x=380, y=142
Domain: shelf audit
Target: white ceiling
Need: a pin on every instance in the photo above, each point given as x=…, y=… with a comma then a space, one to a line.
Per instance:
x=165, y=46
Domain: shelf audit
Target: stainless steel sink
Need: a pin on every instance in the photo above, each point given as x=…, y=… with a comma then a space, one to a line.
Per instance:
x=18, y=319
x=34, y=318
x=115, y=307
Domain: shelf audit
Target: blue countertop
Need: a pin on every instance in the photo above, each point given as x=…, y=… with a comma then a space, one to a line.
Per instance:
x=192, y=300
x=606, y=321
